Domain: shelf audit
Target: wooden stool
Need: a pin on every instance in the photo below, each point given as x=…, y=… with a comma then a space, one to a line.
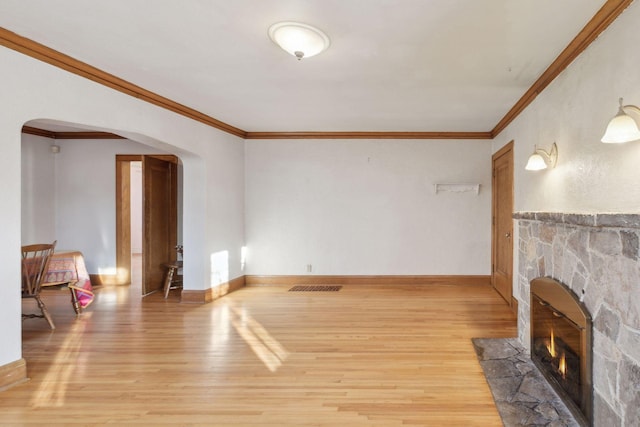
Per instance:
x=172, y=280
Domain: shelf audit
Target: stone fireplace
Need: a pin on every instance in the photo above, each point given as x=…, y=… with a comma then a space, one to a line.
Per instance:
x=597, y=258
x=561, y=344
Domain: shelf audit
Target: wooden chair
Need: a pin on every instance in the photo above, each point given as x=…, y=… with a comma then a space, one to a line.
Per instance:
x=173, y=280
x=35, y=261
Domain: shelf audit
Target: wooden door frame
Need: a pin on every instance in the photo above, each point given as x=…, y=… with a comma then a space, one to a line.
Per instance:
x=509, y=147
x=123, y=215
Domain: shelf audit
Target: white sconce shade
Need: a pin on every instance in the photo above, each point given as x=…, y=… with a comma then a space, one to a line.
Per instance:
x=540, y=159
x=55, y=149
x=535, y=163
x=300, y=40
x=622, y=128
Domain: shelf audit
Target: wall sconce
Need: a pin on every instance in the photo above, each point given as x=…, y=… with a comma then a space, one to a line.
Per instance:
x=622, y=128
x=300, y=40
x=55, y=149
x=540, y=159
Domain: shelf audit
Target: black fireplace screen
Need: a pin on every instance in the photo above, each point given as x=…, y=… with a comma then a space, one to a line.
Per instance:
x=561, y=344
x=556, y=344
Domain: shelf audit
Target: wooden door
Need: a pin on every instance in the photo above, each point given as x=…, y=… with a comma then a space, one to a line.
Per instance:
x=502, y=222
x=159, y=231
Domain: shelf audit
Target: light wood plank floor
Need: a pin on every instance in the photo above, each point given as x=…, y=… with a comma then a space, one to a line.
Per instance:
x=363, y=356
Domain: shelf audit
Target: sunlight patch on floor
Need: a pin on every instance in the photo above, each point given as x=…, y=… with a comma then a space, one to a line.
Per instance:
x=263, y=344
x=53, y=389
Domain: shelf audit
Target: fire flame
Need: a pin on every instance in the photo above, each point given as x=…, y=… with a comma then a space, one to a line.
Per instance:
x=551, y=347
x=562, y=367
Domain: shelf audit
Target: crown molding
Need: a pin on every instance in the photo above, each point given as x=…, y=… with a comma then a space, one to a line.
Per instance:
x=600, y=21
x=87, y=135
x=368, y=135
x=38, y=132
x=69, y=135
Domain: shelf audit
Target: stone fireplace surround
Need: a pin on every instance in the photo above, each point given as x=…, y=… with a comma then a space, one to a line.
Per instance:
x=598, y=257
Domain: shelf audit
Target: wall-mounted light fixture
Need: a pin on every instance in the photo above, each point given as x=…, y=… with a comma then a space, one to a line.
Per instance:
x=55, y=149
x=300, y=40
x=623, y=128
x=541, y=159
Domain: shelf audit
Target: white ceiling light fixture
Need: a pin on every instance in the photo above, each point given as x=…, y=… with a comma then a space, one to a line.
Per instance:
x=622, y=128
x=300, y=40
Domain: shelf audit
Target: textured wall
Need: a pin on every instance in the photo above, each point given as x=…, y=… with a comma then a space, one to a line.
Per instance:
x=573, y=111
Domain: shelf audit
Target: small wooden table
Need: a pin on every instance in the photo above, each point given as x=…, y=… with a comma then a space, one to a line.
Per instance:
x=67, y=268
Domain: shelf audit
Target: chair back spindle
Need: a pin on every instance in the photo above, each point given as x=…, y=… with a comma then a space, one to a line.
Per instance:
x=35, y=262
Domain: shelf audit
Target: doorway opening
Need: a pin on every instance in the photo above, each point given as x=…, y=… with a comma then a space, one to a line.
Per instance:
x=136, y=195
x=146, y=218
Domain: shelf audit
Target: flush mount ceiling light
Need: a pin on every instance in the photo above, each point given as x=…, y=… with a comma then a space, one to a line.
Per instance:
x=622, y=128
x=540, y=159
x=300, y=40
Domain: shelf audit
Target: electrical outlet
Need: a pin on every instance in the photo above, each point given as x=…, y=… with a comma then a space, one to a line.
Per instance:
x=309, y=268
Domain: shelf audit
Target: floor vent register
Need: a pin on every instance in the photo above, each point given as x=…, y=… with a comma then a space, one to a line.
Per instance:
x=315, y=288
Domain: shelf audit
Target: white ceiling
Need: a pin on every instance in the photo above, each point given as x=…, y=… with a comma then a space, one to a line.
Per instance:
x=393, y=65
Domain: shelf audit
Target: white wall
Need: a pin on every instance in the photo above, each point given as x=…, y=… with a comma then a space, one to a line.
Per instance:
x=70, y=196
x=86, y=194
x=574, y=111
x=213, y=171
x=38, y=191
x=363, y=207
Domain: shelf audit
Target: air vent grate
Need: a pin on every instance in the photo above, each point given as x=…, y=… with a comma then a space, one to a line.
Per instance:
x=315, y=288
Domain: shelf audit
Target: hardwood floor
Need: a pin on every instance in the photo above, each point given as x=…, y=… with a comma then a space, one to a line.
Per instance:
x=363, y=356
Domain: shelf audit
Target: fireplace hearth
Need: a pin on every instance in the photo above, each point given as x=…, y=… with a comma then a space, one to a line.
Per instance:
x=561, y=344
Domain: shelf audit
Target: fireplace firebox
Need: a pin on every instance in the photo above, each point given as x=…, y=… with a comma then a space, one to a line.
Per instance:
x=561, y=344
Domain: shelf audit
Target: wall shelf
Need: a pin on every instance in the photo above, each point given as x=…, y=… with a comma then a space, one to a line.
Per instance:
x=456, y=188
